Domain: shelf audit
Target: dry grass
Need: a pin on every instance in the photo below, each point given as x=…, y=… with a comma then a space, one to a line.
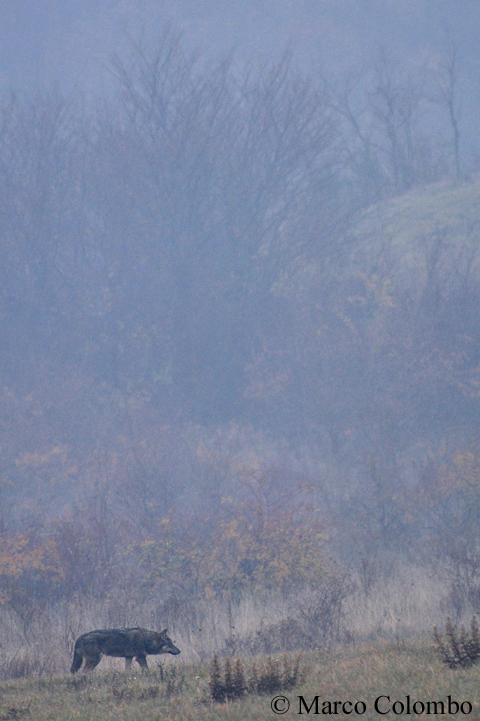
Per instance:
x=355, y=674
x=390, y=609
x=400, y=607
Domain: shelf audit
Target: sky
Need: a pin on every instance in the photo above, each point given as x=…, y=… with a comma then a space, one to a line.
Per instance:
x=70, y=42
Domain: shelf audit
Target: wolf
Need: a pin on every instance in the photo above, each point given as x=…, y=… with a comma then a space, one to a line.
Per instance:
x=127, y=643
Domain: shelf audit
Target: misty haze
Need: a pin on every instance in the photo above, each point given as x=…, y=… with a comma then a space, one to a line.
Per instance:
x=240, y=324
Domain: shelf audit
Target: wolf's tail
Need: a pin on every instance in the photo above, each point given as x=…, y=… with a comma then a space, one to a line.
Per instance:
x=77, y=661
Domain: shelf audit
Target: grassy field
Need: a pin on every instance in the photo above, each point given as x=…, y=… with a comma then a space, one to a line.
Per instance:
x=355, y=674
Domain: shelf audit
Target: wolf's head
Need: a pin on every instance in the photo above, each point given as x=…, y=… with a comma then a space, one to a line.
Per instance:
x=161, y=643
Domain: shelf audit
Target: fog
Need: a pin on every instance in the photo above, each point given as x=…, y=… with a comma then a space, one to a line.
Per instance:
x=240, y=311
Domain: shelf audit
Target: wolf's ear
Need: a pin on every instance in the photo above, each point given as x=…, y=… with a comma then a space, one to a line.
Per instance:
x=164, y=632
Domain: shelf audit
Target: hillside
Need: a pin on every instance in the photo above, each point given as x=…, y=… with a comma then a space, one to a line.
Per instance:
x=435, y=228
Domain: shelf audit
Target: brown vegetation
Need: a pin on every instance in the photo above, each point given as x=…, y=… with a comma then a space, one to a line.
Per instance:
x=458, y=650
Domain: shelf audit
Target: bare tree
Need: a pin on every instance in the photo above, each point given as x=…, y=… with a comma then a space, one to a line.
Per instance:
x=447, y=95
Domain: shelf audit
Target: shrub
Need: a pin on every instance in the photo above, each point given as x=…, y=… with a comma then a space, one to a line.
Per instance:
x=458, y=650
x=271, y=676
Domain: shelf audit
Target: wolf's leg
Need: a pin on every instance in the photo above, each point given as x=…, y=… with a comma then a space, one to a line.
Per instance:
x=142, y=662
x=128, y=663
x=77, y=661
x=92, y=661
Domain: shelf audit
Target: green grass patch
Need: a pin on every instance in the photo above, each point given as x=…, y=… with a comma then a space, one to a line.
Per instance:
x=182, y=692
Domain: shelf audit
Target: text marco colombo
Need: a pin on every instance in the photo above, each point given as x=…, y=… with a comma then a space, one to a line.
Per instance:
x=383, y=705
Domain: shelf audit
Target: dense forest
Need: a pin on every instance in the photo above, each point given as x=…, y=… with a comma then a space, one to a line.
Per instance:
x=240, y=318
